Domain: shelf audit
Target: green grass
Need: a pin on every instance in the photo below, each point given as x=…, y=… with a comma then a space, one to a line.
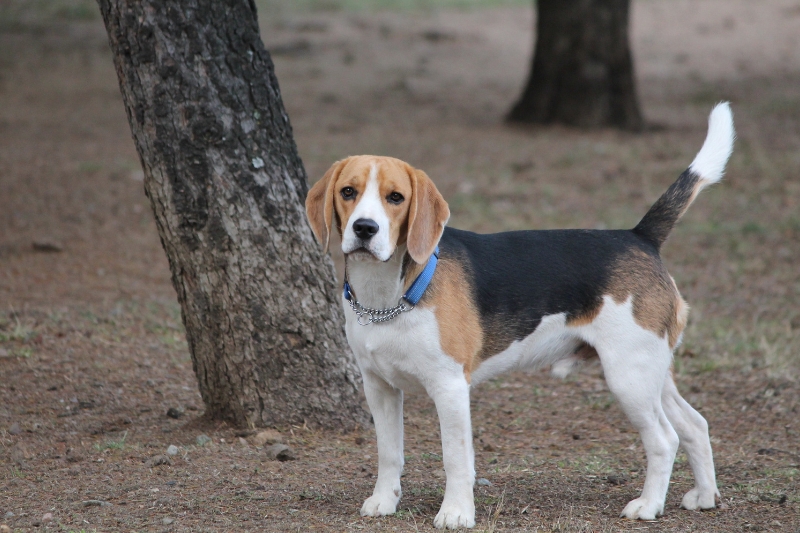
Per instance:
x=112, y=444
x=19, y=333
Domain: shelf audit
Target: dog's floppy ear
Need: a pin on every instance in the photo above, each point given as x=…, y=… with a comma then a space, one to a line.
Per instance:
x=426, y=217
x=319, y=203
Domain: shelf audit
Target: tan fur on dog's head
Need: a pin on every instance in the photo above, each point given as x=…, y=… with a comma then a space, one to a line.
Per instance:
x=417, y=220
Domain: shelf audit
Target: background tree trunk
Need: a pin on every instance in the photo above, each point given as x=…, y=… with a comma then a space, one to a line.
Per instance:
x=582, y=71
x=262, y=317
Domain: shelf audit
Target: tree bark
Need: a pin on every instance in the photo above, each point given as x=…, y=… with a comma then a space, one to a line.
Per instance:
x=582, y=71
x=262, y=317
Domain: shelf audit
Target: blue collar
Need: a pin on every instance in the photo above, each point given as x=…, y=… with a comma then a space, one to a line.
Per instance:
x=413, y=295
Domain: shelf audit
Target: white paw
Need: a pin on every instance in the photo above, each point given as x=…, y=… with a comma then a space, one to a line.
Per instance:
x=696, y=499
x=380, y=505
x=452, y=516
x=642, y=509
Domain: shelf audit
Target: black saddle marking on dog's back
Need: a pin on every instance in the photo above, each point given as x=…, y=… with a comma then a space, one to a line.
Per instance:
x=518, y=277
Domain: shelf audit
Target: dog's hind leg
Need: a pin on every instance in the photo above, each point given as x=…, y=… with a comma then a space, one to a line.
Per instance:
x=636, y=363
x=692, y=430
x=636, y=379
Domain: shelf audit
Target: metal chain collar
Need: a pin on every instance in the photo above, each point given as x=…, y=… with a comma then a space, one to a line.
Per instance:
x=378, y=315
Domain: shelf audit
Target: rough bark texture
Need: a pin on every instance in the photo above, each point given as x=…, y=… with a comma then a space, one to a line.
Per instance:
x=582, y=72
x=262, y=317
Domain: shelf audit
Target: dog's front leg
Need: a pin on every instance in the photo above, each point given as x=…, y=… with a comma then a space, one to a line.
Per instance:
x=452, y=404
x=386, y=404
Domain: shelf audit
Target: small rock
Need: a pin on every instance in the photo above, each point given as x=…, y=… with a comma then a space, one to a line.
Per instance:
x=281, y=452
x=202, y=440
x=74, y=456
x=9, y=515
x=5, y=529
x=15, y=429
x=243, y=442
x=47, y=245
x=483, y=482
x=95, y=503
x=617, y=479
x=167, y=521
x=20, y=452
x=47, y=517
x=175, y=413
x=269, y=436
x=4, y=352
x=158, y=460
x=172, y=450
x=436, y=36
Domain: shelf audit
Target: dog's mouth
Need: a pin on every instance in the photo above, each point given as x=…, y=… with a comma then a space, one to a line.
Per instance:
x=361, y=254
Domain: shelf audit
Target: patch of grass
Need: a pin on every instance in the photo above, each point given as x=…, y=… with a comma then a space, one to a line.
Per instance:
x=112, y=444
x=751, y=227
x=24, y=352
x=20, y=332
x=494, y=514
x=89, y=166
x=722, y=342
x=600, y=402
x=426, y=491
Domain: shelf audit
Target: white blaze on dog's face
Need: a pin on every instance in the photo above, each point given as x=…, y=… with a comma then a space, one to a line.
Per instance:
x=371, y=202
x=378, y=203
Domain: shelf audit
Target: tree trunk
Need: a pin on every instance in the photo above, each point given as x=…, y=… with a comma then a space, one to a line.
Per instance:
x=582, y=71
x=262, y=317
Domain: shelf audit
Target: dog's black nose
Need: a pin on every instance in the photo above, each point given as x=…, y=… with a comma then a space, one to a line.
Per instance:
x=365, y=228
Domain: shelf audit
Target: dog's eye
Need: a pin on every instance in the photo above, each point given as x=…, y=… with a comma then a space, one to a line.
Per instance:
x=395, y=198
x=348, y=193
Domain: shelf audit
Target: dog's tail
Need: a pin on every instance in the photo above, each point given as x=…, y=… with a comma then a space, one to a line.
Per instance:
x=707, y=168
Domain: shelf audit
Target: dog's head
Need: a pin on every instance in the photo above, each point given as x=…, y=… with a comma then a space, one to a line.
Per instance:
x=378, y=204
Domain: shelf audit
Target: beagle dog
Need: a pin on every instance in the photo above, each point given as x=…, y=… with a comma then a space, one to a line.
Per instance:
x=434, y=309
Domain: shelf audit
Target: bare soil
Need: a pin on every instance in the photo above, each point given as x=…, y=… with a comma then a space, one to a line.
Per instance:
x=92, y=352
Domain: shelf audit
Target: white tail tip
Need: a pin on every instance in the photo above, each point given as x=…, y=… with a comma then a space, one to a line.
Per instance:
x=710, y=161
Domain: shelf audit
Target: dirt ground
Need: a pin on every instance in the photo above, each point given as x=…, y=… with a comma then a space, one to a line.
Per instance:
x=92, y=352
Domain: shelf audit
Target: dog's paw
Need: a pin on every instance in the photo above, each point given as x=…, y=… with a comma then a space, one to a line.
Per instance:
x=453, y=516
x=696, y=499
x=380, y=505
x=642, y=509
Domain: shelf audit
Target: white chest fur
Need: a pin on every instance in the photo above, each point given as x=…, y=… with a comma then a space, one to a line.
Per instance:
x=405, y=352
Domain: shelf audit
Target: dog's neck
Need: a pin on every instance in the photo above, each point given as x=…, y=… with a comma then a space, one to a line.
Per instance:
x=378, y=284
